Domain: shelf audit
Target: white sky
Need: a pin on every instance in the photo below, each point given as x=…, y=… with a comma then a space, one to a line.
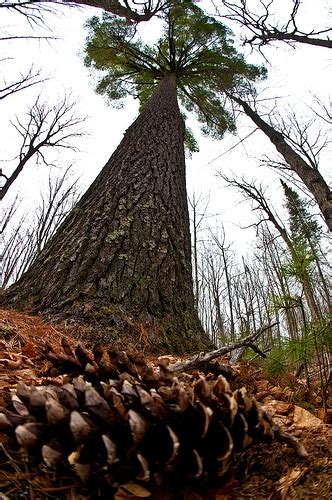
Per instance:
x=295, y=74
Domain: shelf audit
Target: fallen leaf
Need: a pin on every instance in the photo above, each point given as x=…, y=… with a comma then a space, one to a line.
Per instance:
x=303, y=418
x=10, y=363
x=30, y=350
x=278, y=408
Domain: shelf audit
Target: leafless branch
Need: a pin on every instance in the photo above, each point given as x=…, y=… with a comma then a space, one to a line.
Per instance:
x=44, y=127
x=264, y=29
x=25, y=238
x=323, y=110
x=16, y=251
x=302, y=135
x=32, y=10
x=298, y=153
x=60, y=197
x=8, y=217
x=24, y=81
x=26, y=37
x=238, y=143
x=257, y=195
x=133, y=11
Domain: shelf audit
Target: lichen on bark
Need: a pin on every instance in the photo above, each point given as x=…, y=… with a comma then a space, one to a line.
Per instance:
x=126, y=245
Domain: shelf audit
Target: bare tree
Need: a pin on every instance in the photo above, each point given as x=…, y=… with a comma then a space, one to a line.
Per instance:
x=299, y=156
x=256, y=194
x=264, y=29
x=60, y=197
x=44, y=128
x=23, y=81
x=223, y=248
x=17, y=251
x=25, y=238
x=198, y=208
x=303, y=136
x=271, y=257
x=233, y=300
x=323, y=110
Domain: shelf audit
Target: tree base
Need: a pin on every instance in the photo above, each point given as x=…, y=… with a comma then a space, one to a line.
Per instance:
x=164, y=334
x=153, y=335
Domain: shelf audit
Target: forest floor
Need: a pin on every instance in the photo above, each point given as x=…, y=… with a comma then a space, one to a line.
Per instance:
x=264, y=471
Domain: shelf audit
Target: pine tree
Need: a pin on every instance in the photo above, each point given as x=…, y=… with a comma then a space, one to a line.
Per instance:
x=305, y=232
x=305, y=235
x=123, y=256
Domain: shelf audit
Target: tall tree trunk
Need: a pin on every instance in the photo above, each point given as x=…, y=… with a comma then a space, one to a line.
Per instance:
x=310, y=177
x=122, y=256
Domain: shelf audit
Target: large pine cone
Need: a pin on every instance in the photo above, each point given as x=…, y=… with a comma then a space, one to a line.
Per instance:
x=117, y=419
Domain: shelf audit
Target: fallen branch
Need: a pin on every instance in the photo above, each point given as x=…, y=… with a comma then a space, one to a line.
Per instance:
x=202, y=358
x=256, y=350
x=292, y=441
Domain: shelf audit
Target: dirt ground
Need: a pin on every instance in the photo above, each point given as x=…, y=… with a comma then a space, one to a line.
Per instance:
x=269, y=471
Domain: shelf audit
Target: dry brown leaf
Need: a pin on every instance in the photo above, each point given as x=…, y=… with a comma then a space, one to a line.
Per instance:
x=278, y=408
x=262, y=385
x=30, y=350
x=277, y=392
x=303, y=418
x=26, y=374
x=10, y=363
x=261, y=395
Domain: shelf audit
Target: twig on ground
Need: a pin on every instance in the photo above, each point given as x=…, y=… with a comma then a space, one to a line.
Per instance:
x=202, y=358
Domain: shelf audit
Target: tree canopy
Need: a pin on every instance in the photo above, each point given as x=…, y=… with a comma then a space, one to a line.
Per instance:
x=197, y=48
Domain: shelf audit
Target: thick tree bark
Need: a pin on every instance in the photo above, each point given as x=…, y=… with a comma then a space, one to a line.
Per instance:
x=114, y=6
x=135, y=13
x=293, y=37
x=310, y=177
x=123, y=254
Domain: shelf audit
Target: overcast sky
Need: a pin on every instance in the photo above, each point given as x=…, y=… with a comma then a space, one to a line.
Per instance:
x=294, y=74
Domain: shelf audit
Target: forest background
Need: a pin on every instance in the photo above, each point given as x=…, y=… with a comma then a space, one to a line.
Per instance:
x=244, y=274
